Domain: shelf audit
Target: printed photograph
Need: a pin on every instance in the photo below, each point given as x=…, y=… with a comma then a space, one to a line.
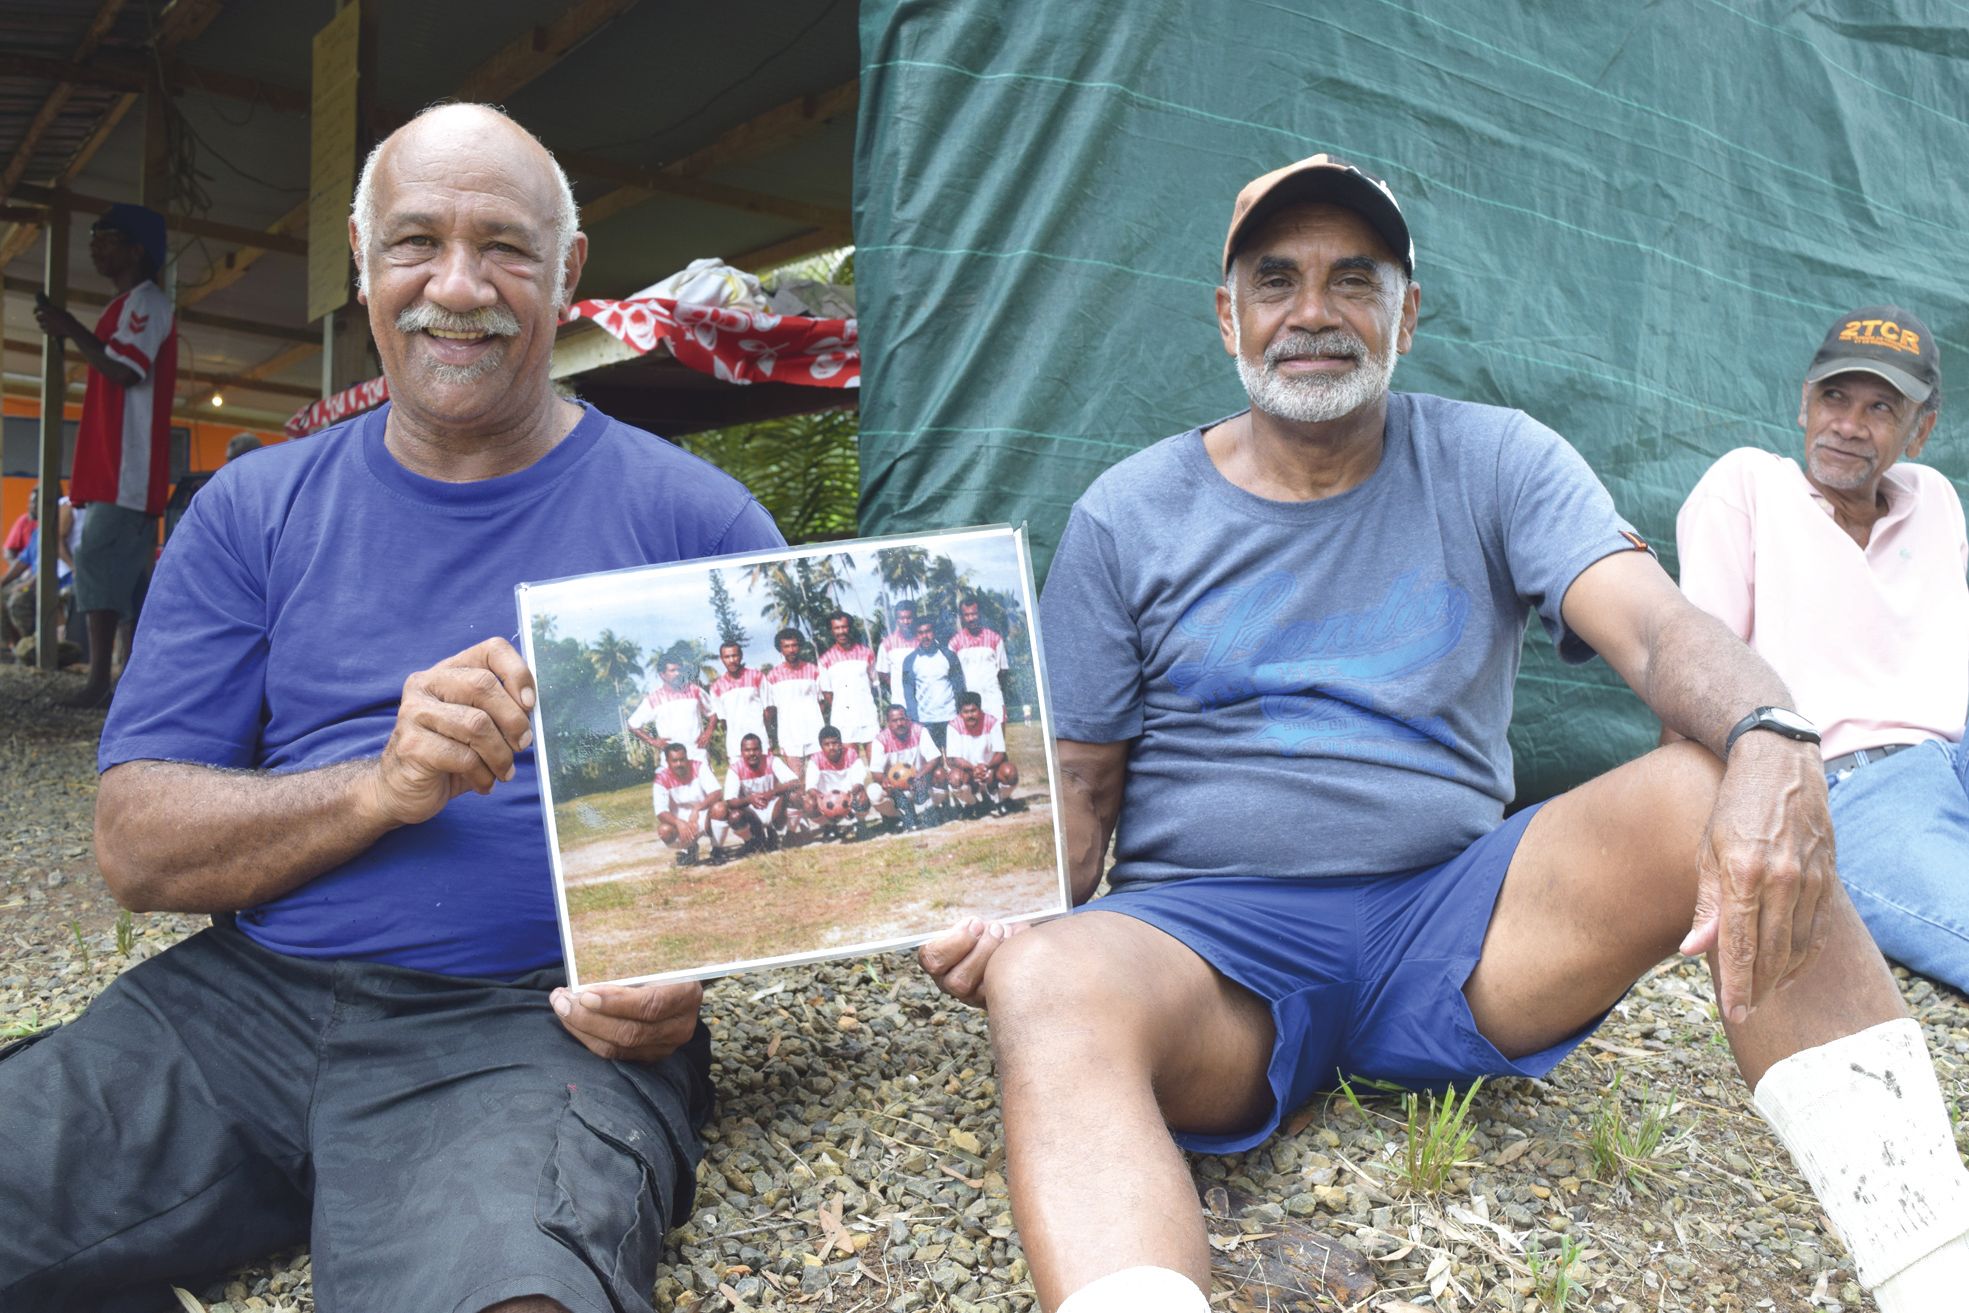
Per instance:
x=783, y=757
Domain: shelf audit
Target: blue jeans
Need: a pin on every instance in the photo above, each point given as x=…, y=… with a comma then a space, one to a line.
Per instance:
x=1903, y=832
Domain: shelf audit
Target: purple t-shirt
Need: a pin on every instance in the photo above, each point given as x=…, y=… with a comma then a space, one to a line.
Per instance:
x=305, y=585
x=1318, y=688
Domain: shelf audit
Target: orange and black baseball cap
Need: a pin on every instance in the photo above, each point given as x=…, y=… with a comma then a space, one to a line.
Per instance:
x=1326, y=178
x=1885, y=341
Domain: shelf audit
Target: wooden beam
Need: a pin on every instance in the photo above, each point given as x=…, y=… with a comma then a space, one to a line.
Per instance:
x=203, y=318
x=532, y=53
x=57, y=97
x=782, y=125
x=762, y=258
x=272, y=365
x=23, y=235
x=184, y=223
x=198, y=379
x=247, y=417
x=779, y=126
x=127, y=73
x=713, y=193
x=233, y=266
x=222, y=383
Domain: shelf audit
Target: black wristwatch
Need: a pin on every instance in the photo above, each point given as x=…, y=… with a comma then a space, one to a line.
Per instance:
x=1779, y=720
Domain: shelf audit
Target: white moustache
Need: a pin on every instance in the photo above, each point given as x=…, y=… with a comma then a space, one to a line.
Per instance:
x=486, y=321
x=1303, y=346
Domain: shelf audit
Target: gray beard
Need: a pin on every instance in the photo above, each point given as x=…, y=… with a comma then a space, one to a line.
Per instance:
x=1314, y=400
x=455, y=374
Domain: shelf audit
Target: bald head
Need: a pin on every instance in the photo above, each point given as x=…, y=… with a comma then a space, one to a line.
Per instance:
x=463, y=138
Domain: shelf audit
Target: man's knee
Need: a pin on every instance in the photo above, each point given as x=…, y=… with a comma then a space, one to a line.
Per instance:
x=1039, y=981
x=1686, y=774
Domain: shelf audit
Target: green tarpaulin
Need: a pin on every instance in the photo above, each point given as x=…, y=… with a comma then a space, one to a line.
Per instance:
x=1632, y=221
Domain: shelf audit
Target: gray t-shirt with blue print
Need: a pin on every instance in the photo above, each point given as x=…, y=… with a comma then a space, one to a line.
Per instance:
x=1318, y=688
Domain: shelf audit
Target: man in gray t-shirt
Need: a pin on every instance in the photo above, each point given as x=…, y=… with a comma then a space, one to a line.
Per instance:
x=1281, y=650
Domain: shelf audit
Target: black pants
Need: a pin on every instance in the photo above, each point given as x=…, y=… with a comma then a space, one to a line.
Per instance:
x=440, y=1143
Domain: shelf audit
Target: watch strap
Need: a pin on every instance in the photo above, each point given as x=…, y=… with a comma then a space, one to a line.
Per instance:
x=1762, y=719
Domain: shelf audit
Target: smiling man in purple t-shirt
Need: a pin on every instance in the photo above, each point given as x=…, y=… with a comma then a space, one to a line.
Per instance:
x=323, y=738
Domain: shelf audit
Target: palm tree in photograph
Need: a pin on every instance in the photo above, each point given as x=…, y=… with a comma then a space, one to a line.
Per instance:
x=902, y=570
x=616, y=658
x=942, y=587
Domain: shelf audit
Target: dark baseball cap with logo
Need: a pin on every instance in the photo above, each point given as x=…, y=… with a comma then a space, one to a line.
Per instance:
x=1326, y=178
x=1885, y=341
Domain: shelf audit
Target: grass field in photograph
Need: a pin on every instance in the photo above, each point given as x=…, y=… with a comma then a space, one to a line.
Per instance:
x=634, y=912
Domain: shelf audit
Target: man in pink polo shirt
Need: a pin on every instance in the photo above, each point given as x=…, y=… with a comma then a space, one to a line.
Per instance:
x=1847, y=576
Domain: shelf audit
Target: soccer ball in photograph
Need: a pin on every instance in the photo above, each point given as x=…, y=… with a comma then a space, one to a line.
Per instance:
x=833, y=805
x=900, y=775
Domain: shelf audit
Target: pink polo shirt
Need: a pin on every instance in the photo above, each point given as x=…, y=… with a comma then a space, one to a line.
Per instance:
x=1873, y=642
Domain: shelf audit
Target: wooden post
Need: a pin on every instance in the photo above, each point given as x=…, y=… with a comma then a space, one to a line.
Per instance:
x=154, y=189
x=342, y=95
x=54, y=398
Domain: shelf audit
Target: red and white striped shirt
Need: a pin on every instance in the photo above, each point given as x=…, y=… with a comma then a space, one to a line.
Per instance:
x=829, y=778
x=962, y=745
x=677, y=712
x=982, y=655
x=123, y=445
x=680, y=796
x=888, y=661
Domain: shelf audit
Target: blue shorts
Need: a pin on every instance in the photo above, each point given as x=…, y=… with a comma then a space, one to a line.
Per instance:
x=1364, y=976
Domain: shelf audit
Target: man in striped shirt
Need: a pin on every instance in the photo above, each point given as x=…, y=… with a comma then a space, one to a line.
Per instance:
x=675, y=710
x=123, y=446
x=897, y=644
x=981, y=652
x=738, y=700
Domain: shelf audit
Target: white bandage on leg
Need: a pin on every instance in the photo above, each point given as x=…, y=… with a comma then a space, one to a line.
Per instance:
x=1864, y=1120
x=1137, y=1290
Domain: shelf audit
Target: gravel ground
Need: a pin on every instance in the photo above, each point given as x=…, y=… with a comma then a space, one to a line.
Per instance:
x=857, y=1161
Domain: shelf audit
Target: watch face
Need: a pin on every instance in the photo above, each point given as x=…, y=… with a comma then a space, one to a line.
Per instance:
x=1788, y=720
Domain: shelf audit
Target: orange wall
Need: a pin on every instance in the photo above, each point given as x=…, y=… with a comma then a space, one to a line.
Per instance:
x=208, y=450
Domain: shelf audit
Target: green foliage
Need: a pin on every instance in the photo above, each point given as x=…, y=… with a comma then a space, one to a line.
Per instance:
x=1437, y=1138
x=583, y=686
x=1551, y=1274
x=802, y=594
x=81, y=945
x=28, y=1025
x=805, y=469
x=125, y=933
x=729, y=629
x=1620, y=1147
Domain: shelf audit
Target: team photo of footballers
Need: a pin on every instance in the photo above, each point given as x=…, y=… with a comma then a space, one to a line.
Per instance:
x=796, y=753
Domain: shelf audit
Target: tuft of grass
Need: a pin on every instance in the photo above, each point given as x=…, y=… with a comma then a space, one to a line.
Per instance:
x=126, y=933
x=1437, y=1138
x=81, y=945
x=1621, y=1147
x=1551, y=1274
x=27, y=1025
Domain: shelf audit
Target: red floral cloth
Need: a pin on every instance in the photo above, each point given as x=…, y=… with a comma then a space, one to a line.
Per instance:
x=729, y=343
x=736, y=345
x=335, y=409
